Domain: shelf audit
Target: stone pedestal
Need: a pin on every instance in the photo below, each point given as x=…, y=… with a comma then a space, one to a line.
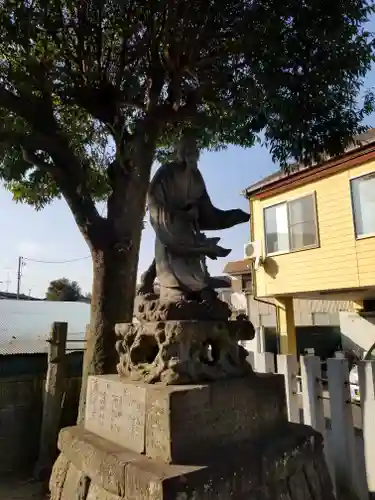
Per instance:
x=227, y=439
x=180, y=424
x=183, y=351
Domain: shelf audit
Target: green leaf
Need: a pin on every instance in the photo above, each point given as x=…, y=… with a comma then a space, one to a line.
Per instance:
x=290, y=71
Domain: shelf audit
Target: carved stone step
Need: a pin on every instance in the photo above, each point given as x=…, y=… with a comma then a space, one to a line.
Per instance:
x=288, y=465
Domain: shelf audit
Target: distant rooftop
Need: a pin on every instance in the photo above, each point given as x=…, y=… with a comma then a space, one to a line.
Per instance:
x=37, y=346
x=359, y=141
x=22, y=296
x=237, y=267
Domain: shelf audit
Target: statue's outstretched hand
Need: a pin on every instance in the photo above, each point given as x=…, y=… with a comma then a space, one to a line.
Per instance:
x=223, y=252
x=240, y=216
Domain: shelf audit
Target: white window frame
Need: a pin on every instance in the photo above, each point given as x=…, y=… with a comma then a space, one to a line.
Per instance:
x=286, y=202
x=370, y=174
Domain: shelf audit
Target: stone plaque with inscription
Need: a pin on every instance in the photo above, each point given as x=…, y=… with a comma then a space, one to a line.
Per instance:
x=116, y=411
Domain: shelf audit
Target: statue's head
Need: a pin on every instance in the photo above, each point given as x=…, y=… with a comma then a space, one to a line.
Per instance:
x=187, y=150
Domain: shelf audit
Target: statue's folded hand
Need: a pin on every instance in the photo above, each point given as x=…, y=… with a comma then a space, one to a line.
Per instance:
x=216, y=251
x=212, y=241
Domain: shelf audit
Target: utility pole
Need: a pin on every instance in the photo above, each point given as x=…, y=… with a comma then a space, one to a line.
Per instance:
x=19, y=275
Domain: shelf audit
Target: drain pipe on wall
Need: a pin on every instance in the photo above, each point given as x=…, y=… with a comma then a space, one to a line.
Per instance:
x=260, y=320
x=262, y=301
x=253, y=273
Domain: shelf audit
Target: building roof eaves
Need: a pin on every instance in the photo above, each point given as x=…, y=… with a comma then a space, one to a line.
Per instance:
x=361, y=143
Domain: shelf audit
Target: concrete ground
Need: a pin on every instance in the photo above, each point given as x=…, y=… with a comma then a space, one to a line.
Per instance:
x=21, y=489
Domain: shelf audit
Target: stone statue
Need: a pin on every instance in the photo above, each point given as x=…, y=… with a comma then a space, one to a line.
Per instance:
x=180, y=209
x=183, y=333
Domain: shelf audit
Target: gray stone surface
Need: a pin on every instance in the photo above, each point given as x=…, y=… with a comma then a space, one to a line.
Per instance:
x=225, y=439
x=149, y=307
x=288, y=465
x=96, y=493
x=76, y=484
x=117, y=411
x=181, y=424
x=177, y=352
x=60, y=471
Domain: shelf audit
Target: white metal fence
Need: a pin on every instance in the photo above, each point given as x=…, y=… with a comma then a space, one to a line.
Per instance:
x=348, y=426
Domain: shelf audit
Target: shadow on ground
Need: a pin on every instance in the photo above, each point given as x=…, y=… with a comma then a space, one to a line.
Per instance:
x=16, y=488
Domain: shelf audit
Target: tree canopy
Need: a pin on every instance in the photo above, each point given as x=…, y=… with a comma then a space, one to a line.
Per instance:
x=91, y=92
x=64, y=290
x=78, y=81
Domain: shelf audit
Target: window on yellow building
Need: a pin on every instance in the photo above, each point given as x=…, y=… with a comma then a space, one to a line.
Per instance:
x=363, y=201
x=246, y=283
x=291, y=225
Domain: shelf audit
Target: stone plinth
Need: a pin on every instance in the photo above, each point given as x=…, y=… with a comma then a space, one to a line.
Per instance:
x=225, y=438
x=182, y=351
x=183, y=424
x=288, y=465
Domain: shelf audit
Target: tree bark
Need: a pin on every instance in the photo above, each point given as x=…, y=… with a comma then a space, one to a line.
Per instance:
x=114, y=281
x=115, y=261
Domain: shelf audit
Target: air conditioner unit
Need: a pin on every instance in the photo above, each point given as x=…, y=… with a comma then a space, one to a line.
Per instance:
x=253, y=251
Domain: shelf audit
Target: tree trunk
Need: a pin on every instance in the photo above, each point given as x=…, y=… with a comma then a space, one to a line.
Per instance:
x=114, y=281
x=115, y=263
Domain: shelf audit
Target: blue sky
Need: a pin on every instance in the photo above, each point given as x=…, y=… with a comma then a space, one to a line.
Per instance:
x=52, y=235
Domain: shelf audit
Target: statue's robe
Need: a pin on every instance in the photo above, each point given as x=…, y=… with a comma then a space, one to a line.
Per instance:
x=174, y=190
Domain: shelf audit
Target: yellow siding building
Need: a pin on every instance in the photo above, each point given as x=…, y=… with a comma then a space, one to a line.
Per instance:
x=316, y=228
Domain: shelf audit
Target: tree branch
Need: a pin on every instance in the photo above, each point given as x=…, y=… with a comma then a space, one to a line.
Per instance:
x=168, y=112
x=29, y=144
x=69, y=179
x=15, y=104
x=37, y=112
x=35, y=160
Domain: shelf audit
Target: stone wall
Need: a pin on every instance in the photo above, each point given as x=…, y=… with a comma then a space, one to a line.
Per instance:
x=357, y=330
x=21, y=405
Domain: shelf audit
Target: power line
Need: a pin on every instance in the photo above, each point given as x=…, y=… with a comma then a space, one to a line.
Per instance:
x=60, y=261
x=57, y=261
x=21, y=259
x=22, y=263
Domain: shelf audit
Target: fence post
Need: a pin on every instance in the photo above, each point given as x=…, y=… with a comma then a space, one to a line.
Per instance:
x=343, y=450
x=264, y=362
x=260, y=339
x=287, y=365
x=313, y=410
x=366, y=376
x=87, y=356
x=54, y=390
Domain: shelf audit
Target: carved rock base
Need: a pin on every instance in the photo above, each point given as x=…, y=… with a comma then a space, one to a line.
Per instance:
x=227, y=439
x=183, y=352
x=150, y=307
x=287, y=465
